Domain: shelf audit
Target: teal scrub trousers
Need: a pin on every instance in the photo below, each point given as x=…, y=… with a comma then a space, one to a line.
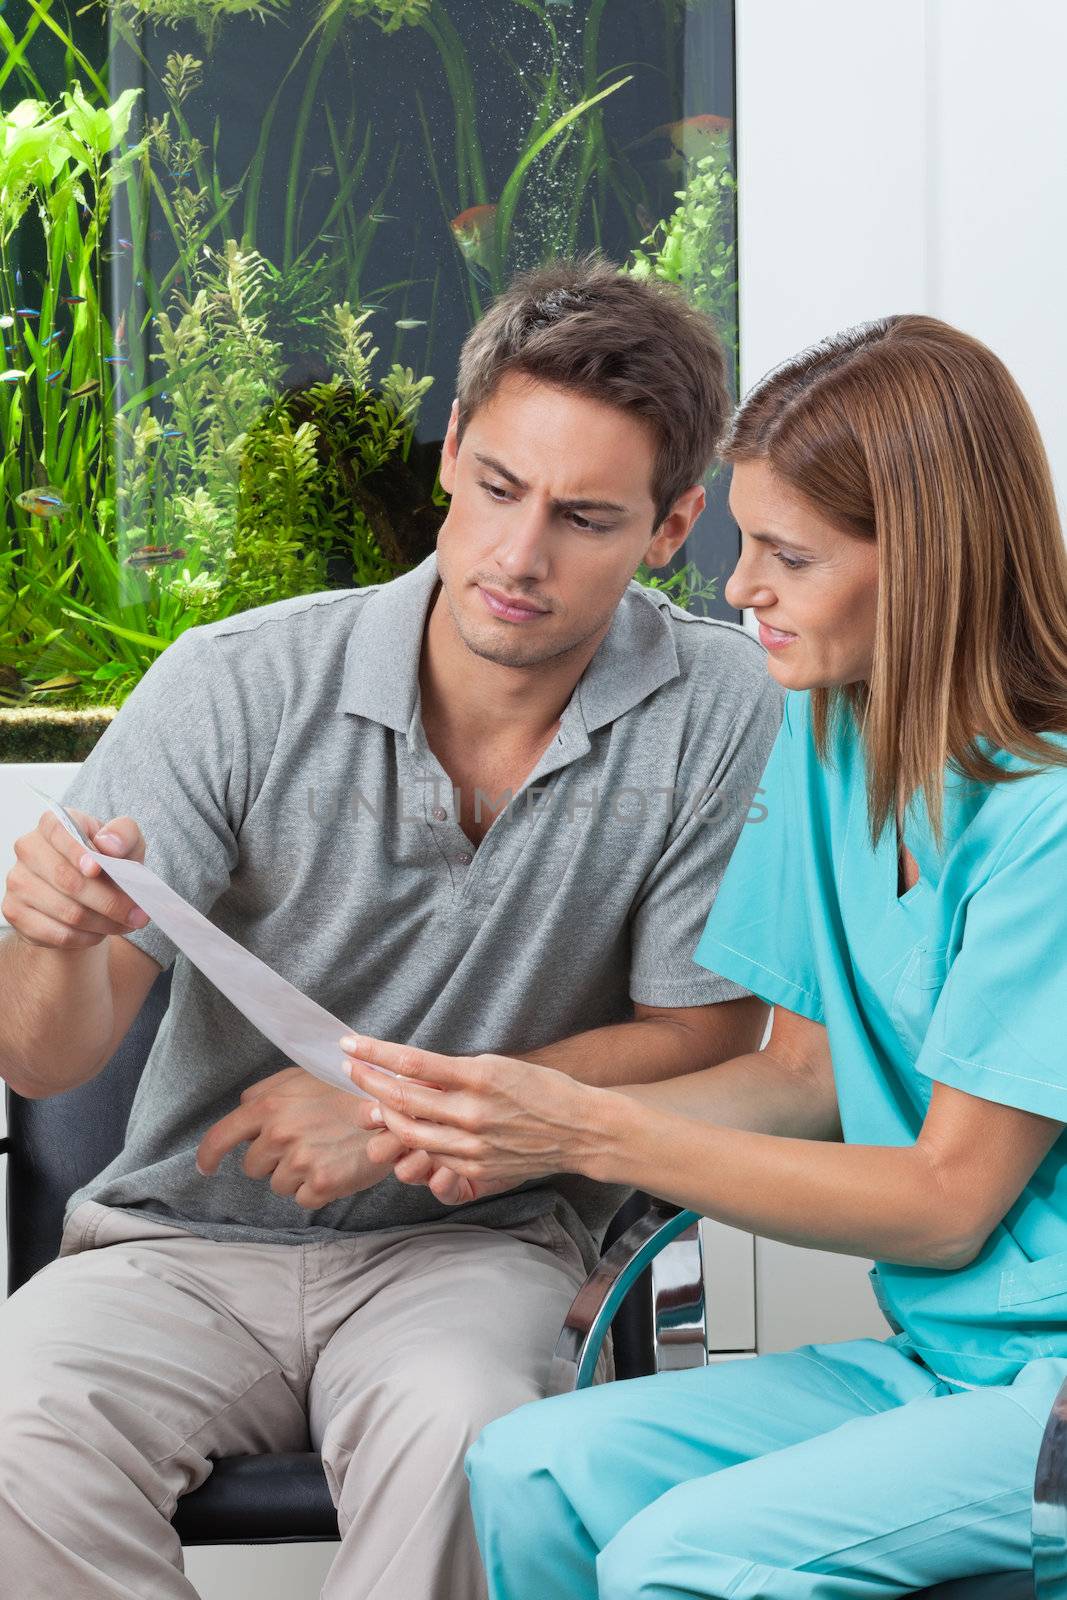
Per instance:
x=844, y=1471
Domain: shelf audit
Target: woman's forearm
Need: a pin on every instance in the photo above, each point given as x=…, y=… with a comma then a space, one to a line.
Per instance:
x=755, y=1091
x=884, y=1202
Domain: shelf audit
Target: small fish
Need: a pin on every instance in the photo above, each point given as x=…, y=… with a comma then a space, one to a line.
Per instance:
x=7, y=321
x=332, y=237
x=403, y=323
x=693, y=135
x=474, y=231
x=26, y=311
x=381, y=216
x=52, y=337
x=120, y=331
x=18, y=277
x=117, y=361
x=72, y=299
x=125, y=244
x=89, y=387
x=173, y=433
x=43, y=502
x=154, y=555
x=52, y=376
x=13, y=375
x=56, y=685
x=324, y=171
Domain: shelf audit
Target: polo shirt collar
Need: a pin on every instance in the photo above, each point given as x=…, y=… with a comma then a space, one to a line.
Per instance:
x=636, y=656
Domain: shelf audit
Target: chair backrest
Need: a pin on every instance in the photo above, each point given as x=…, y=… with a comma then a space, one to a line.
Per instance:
x=59, y=1143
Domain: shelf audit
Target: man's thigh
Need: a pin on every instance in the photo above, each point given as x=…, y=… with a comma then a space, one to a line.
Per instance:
x=129, y=1348
x=455, y=1324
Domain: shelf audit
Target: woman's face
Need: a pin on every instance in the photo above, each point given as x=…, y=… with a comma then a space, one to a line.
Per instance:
x=813, y=588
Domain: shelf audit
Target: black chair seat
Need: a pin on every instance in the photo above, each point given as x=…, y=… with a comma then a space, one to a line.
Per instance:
x=994, y=1586
x=268, y=1499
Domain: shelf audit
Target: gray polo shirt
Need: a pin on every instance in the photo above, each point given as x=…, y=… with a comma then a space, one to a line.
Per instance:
x=277, y=765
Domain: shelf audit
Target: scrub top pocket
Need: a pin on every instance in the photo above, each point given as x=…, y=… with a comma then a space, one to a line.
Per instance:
x=917, y=992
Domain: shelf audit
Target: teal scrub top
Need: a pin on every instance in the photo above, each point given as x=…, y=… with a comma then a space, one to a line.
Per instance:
x=963, y=979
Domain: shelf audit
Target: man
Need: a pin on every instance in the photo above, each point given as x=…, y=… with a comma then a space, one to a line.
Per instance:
x=329, y=776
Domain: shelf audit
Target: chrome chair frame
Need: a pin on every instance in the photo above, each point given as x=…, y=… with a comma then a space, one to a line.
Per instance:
x=666, y=1241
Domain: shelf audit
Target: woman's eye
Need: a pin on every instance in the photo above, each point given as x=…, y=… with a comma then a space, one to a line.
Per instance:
x=790, y=561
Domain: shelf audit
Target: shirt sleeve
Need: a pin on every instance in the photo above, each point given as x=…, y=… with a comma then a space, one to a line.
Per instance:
x=717, y=778
x=999, y=1029
x=758, y=932
x=168, y=761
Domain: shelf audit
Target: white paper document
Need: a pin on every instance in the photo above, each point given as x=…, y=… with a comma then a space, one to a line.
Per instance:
x=303, y=1031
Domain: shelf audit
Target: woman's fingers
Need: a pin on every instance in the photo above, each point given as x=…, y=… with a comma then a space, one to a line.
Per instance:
x=415, y=1100
x=408, y=1061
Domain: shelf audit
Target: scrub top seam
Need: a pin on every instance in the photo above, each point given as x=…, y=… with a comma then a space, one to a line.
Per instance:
x=771, y=973
x=1000, y=1072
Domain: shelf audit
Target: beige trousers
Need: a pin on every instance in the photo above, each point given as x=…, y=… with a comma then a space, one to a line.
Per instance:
x=143, y=1352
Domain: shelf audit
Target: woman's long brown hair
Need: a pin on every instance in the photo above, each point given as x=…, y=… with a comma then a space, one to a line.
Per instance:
x=911, y=433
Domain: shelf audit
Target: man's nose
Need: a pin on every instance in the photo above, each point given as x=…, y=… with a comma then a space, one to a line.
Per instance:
x=522, y=550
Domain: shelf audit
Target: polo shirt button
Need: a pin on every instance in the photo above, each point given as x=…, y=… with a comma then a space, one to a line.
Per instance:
x=439, y=813
x=465, y=859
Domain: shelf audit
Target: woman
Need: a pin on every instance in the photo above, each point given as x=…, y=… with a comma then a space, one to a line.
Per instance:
x=903, y=908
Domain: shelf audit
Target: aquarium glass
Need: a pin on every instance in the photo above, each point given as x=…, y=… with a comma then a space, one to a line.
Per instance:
x=240, y=247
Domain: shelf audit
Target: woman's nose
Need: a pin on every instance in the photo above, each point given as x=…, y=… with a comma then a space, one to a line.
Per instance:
x=743, y=590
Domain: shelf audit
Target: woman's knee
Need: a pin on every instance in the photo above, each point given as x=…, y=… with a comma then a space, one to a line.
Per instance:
x=517, y=1446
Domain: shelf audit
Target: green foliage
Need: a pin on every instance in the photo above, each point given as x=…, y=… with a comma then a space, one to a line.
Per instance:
x=171, y=425
x=306, y=499
x=390, y=15
x=687, y=587
x=207, y=15
x=694, y=246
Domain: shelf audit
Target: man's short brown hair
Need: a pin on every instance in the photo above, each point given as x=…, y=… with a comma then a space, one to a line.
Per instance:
x=632, y=343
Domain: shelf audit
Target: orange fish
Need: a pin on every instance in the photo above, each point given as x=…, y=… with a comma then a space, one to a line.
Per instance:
x=692, y=135
x=474, y=230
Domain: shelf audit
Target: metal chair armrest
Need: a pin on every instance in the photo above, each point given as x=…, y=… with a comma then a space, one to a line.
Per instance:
x=679, y=1296
x=1048, y=1521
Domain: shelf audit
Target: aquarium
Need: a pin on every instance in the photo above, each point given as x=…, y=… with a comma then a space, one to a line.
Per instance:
x=240, y=247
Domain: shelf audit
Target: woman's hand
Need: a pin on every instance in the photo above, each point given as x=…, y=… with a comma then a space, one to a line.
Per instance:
x=494, y=1121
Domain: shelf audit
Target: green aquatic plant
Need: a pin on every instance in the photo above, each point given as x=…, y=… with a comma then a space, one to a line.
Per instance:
x=308, y=508
x=694, y=247
x=207, y=15
x=391, y=15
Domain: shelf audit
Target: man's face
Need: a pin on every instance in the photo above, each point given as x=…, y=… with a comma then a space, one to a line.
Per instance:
x=551, y=515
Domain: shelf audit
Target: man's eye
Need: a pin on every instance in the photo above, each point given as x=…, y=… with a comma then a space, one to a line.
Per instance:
x=584, y=525
x=495, y=490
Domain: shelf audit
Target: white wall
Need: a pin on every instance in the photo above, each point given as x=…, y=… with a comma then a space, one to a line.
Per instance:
x=899, y=155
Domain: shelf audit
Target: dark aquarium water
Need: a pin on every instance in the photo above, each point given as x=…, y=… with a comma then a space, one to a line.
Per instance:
x=271, y=244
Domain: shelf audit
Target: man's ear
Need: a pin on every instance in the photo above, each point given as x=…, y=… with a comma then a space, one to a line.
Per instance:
x=450, y=450
x=676, y=526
